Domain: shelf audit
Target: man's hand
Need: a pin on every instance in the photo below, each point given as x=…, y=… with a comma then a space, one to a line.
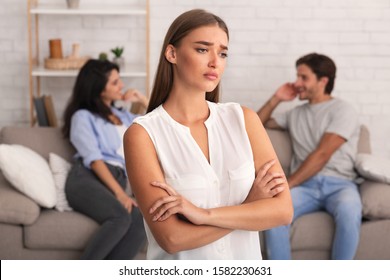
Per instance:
x=286, y=92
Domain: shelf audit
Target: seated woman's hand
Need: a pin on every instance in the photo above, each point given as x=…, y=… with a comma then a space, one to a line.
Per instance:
x=266, y=184
x=173, y=204
x=134, y=96
x=126, y=201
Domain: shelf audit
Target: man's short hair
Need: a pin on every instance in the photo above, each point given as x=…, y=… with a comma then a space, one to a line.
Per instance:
x=322, y=66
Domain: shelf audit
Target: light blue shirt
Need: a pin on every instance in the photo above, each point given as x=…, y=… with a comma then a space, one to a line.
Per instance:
x=96, y=138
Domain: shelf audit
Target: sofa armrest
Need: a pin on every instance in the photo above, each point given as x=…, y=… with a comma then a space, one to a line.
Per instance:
x=15, y=207
x=375, y=199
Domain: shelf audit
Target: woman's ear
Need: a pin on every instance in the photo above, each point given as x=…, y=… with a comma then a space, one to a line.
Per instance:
x=170, y=54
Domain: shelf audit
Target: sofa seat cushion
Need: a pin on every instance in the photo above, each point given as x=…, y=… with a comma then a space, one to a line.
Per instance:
x=59, y=230
x=375, y=199
x=15, y=207
x=374, y=242
x=313, y=231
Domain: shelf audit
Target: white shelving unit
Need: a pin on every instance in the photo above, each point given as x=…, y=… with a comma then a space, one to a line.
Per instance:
x=37, y=71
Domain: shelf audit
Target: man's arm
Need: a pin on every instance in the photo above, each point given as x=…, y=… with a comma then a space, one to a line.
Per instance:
x=330, y=143
x=265, y=112
x=286, y=92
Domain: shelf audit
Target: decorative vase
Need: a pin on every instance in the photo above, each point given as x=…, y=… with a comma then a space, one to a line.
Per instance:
x=120, y=61
x=72, y=4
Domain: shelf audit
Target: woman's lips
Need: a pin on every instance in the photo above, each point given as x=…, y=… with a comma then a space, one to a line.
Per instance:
x=211, y=76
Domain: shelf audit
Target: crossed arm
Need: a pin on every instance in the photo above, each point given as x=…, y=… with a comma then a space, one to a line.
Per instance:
x=174, y=234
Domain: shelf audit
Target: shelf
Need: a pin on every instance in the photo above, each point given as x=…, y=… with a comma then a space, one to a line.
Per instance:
x=37, y=71
x=43, y=72
x=50, y=9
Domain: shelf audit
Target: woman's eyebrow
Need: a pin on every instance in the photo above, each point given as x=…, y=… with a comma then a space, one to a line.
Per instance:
x=210, y=44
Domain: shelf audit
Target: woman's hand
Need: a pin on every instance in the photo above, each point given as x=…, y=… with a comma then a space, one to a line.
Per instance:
x=134, y=96
x=126, y=201
x=266, y=184
x=167, y=206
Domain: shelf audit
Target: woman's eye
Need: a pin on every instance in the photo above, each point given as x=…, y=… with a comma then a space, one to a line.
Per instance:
x=224, y=55
x=200, y=50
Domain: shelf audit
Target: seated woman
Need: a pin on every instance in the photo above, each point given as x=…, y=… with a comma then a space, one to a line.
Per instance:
x=97, y=181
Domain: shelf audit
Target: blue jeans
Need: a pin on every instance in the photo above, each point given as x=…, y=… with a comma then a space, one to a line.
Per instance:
x=340, y=198
x=121, y=234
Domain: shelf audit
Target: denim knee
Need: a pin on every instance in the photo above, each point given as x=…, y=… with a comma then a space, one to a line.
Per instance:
x=348, y=214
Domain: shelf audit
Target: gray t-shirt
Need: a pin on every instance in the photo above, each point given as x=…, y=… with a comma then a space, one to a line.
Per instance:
x=308, y=123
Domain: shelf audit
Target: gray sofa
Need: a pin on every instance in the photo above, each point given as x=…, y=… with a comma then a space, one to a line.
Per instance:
x=311, y=235
x=28, y=231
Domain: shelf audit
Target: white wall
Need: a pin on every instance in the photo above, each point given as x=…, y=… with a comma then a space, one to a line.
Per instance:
x=267, y=36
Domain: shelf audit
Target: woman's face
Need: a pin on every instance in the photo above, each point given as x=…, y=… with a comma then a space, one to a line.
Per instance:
x=113, y=89
x=200, y=58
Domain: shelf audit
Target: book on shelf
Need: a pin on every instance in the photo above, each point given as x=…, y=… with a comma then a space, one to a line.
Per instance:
x=45, y=111
x=40, y=110
x=50, y=112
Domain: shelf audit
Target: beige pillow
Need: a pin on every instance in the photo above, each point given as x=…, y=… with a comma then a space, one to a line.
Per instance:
x=372, y=167
x=60, y=169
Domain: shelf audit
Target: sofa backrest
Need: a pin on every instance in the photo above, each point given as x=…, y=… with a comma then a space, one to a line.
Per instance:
x=43, y=140
x=281, y=141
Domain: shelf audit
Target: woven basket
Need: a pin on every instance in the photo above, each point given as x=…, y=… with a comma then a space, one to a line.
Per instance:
x=65, y=63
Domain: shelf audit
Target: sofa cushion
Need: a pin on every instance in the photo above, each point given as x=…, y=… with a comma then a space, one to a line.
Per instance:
x=59, y=230
x=374, y=241
x=375, y=199
x=282, y=144
x=43, y=140
x=313, y=231
x=60, y=169
x=28, y=172
x=372, y=167
x=15, y=207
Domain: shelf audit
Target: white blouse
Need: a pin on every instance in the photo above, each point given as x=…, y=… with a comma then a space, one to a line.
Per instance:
x=225, y=181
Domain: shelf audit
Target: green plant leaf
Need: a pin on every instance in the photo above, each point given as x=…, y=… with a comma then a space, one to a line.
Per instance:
x=118, y=51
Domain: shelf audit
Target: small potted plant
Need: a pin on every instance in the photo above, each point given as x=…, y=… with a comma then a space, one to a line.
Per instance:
x=118, y=58
x=103, y=56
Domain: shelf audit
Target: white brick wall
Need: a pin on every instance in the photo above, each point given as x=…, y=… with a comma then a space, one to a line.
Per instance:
x=267, y=36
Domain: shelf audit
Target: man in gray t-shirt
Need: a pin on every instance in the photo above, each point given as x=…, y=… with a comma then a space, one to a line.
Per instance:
x=324, y=133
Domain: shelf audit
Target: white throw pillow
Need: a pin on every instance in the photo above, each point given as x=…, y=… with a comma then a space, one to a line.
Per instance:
x=60, y=169
x=373, y=167
x=28, y=172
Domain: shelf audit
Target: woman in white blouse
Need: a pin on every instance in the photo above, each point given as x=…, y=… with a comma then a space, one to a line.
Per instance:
x=205, y=174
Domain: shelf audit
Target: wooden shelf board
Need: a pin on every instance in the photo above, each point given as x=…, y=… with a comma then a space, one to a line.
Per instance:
x=43, y=72
x=50, y=9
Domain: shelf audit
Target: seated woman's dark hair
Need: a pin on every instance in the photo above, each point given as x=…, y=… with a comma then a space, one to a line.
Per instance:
x=90, y=83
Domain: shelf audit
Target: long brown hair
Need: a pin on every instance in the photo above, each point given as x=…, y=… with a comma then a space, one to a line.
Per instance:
x=90, y=83
x=180, y=28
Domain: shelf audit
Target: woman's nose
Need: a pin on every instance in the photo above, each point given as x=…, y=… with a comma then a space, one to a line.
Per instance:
x=213, y=59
